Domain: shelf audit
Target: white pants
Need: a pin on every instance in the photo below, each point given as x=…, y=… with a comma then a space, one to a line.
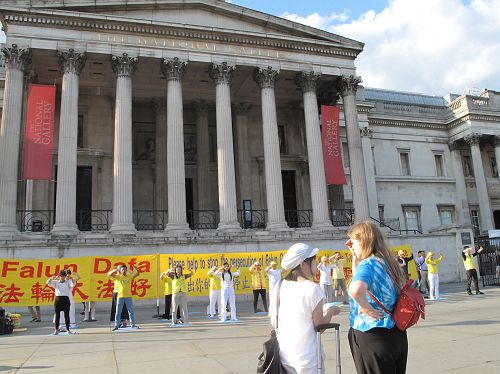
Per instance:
x=89, y=310
x=214, y=298
x=228, y=294
x=72, y=319
x=434, y=286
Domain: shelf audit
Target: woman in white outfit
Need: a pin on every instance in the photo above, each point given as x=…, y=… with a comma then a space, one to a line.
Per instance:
x=227, y=291
x=72, y=279
x=300, y=309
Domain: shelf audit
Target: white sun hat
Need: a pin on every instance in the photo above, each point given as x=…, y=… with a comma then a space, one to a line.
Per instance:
x=296, y=254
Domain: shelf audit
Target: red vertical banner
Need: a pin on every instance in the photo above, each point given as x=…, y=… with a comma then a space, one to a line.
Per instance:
x=39, y=132
x=332, y=146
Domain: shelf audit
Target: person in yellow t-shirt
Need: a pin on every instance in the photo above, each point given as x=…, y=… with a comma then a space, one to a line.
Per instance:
x=470, y=267
x=168, y=297
x=214, y=296
x=123, y=281
x=259, y=285
x=339, y=284
x=432, y=265
x=179, y=293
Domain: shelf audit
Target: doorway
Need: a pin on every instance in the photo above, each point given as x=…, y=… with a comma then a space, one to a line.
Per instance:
x=84, y=198
x=189, y=202
x=496, y=218
x=290, y=197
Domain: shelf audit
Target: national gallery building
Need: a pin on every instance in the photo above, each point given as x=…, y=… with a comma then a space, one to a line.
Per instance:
x=196, y=125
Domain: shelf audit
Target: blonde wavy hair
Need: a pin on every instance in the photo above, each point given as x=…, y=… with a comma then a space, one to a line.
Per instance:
x=373, y=242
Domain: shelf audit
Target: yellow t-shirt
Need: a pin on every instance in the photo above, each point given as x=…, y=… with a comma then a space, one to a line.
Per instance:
x=123, y=283
x=214, y=282
x=259, y=279
x=179, y=284
x=469, y=262
x=338, y=271
x=168, y=284
x=432, y=264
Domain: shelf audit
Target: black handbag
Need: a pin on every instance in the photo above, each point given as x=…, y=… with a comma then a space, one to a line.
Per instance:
x=269, y=359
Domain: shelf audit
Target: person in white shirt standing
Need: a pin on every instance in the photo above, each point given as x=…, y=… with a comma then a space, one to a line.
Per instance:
x=63, y=288
x=325, y=277
x=73, y=279
x=274, y=276
x=300, y=310
x=227, y=291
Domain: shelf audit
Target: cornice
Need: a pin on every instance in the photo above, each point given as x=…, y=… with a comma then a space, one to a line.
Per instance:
x=473, y=117
x=118, y=24
x=403, y=123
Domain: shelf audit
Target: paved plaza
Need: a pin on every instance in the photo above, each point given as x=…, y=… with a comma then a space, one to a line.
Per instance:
x=461, y=335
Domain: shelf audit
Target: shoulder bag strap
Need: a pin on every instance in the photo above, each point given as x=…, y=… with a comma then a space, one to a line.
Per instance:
x=393, y=279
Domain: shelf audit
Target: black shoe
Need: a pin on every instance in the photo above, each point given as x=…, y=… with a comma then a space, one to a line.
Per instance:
x=469, y=293
x=479, y=293
x=115, y=328
x=426, y=297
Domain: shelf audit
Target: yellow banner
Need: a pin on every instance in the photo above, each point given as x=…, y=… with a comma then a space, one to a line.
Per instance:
x=22, y=282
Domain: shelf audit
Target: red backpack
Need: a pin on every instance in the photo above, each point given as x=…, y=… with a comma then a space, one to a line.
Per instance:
x=409, y=307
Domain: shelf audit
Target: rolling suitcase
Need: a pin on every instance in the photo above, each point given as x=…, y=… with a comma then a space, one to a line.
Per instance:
x=318, y=329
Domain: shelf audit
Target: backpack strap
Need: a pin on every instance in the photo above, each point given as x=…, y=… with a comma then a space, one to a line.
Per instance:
x=395, y=283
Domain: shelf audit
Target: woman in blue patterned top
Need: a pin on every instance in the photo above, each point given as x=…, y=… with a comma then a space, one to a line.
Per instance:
x=377, y=345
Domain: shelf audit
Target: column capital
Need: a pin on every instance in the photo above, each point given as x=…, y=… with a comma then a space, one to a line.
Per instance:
x=71, y=61
x=124, y=65
x=201, y=107
x=173, y=69
x=349, y=84
x=266, y=78
x=159, y=105
x=366, y=132
x=16, y=58
x=473, y=138
x=307, y=80
x=241, y=109
x=221, y=73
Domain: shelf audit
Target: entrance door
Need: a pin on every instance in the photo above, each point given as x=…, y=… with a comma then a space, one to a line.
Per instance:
x=496, y=218
x=189, y=202
x=84, y=198
x=290, y=197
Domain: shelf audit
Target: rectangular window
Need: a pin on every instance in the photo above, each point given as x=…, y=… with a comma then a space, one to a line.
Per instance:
x=412, y=217
x=345, y=155
x=404, y=158
x=281, y=138
x=446, y=215
x=476, y=224
x=467, y=166
x=381, y=213
x=80, y=139
x=494, y=169
x=438, y=160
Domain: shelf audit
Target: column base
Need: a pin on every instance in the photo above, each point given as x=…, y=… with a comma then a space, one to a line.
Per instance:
x=177, y=229
x=122, y=229
x=65, y=229
x=229, y=226
x=322, y=226
x=277, y=226
x=8, y=231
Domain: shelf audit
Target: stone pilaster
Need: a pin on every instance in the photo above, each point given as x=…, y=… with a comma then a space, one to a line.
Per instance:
x=496, y=141
x=221, y=75
x=371, y=186
x=462, y=205
x=174, y=71
x=159, y=107
x=266, y=79
x=244, y=185
x=124, y=68
x=481, y=187
x=307, y=82
x=71, y=64
x=202, y=155
x=348, y=88
x=16, y=61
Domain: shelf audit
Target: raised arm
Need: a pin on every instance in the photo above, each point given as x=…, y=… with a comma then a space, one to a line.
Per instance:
x=189, y=275
x=76, y=277
x=50, y=280
x=112, y=273
x=135, y=272
x=237, y=273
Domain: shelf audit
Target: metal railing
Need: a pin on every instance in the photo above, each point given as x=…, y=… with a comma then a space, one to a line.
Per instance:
x=395, y=221
x=35, y=220
x=489, y=260
x=342, y=217
x=203, y=219
x=150, y=220
x=252, y=219
x=298, y=218
x=94, y=220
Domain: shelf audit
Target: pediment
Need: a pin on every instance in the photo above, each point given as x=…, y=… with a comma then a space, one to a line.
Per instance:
x=203, y=15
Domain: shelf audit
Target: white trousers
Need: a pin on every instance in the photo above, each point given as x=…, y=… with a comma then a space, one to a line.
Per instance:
x=434, y=286
x=227, y=294
x=214, y=298
x=89, y=310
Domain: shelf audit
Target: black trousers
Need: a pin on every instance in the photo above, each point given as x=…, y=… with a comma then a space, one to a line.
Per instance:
x=379, y=350
x=472, y=275
x=124, y=314
x=62, y=304
x=168, y=307
x=263, y=296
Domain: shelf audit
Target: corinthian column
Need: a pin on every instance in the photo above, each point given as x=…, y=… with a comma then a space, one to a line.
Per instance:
x=462, y=205
x=174, y=70
x=266, y=78
x=202, y=154
x=16, y=61
x=349, y=86
x=221, y=75
x=124, y=67
x=307, y=82
x=71, y=64
x=481, y=187
x=160, y=111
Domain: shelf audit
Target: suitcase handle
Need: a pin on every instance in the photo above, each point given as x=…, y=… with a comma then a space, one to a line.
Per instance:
x=325, y=326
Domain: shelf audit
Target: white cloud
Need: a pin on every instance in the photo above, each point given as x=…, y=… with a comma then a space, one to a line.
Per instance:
x=316, y=20
x=428, y=46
